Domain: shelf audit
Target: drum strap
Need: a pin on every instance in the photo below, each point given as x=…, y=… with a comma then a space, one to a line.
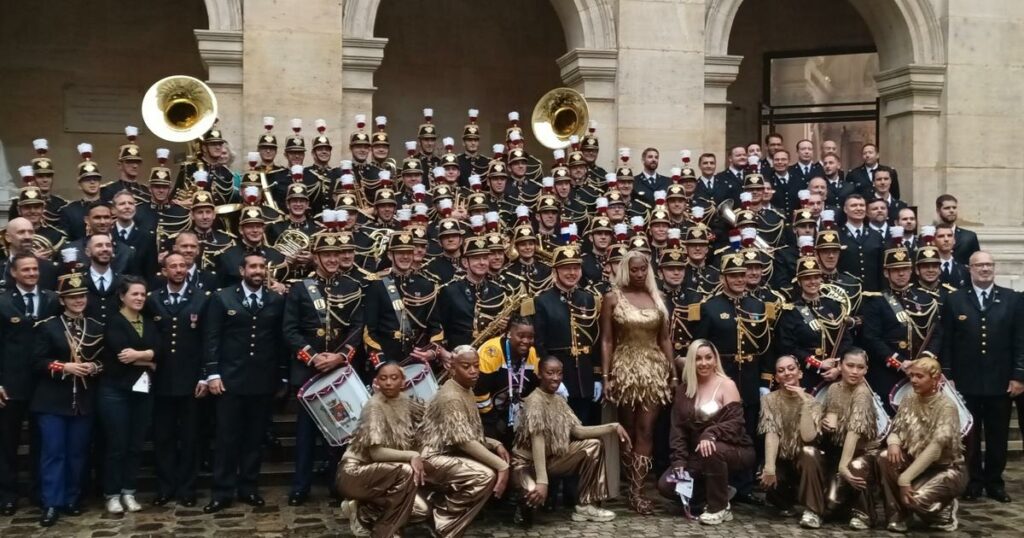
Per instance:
x=809, y=318
x=397, y=303
x=319, y=302
x=897, y=308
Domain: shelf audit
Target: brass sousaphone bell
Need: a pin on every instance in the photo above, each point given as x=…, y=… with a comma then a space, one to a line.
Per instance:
x=179, y=108
x=560, y=114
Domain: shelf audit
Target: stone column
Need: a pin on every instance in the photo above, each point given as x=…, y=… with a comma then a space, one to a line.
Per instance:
x=360, y=59
x=221, y=51
x=293, y=55
x=592, y=73
x=719, y=73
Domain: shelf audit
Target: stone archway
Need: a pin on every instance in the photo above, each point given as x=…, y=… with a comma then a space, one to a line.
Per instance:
x=220, y=47
x=912, y=55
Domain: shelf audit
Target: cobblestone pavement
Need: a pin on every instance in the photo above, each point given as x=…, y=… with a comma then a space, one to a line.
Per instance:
x=318, y=518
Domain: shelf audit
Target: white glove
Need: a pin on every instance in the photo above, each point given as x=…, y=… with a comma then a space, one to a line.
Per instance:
x=763, y=390
x=562, y=391
x=598, y=389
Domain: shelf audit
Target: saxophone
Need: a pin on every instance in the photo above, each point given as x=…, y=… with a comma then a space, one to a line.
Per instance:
x=512, y=305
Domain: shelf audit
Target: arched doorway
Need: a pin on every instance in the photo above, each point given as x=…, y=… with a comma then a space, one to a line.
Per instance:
x=506, y=68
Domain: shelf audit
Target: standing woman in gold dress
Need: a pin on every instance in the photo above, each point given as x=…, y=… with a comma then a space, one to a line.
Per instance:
x=635, y=356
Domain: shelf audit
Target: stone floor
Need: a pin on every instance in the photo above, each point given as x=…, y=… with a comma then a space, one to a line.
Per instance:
x=317, y=518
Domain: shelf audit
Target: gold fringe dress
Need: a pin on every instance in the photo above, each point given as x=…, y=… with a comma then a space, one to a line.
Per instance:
x=854, y=409
x=639, y=367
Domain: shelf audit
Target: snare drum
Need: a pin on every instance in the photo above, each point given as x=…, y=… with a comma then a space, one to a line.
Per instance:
x=335, y=400
x=904, y=389
x=881, y=417
x=419, y=381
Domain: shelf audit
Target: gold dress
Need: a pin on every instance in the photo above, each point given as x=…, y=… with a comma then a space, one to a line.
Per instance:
x=639, y=367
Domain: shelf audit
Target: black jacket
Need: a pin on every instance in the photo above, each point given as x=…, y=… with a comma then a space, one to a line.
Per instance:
x=554, y=336
x=119, y=335
x=885, y=334
x=645, y=190
x=55, y=393
x=48, y=271
x=983, y=349
x=862, y=258
x=965, y=245
x=302, y=325
x=246, y=349
x=181, y=345
x=17, y=339
x=862, y=178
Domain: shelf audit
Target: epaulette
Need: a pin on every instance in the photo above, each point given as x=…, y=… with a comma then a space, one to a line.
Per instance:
x=693, y=312
x=871, y=293
x=107, y=184
x=787, y=306
x=40, y=322
x=769, y=310
x=949, y=287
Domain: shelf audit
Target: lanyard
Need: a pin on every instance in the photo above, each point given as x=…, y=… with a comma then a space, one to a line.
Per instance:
x=513, y=389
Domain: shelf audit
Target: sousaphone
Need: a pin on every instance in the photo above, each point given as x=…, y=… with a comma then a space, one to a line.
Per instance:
x=560, y=114
x=179, y=108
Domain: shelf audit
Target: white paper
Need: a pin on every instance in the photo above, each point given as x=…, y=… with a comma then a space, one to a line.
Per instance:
x=684, y=488
x=142, y=384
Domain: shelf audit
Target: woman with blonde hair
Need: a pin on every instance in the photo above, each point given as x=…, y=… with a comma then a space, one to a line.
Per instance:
x=636, y=356
x=922, y=470
x=709, y=437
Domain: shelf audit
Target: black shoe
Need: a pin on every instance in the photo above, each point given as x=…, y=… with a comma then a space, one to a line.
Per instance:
x=998, y=494
x=747, y=498
x=523, y=516
x=972, y=493
x=187, y=502
x=49, y=517
x=162, y=500
x=253, y=499
x=216, y=506
x=8, y=508
x=297, y=499
x=72, y=510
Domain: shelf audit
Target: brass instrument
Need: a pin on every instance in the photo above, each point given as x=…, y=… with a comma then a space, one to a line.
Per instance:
x=725, y=210
x=495, y=327
x=43, y=247
x=838, y=295
x=291, y=242
x=179, y=108
x=265, y=189
x=558, y=115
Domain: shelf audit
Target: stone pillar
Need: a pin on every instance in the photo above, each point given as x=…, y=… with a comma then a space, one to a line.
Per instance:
x=660, y=91
x=293, y=55
x=592, y=73
x=911, y=131
x=360, y=59
x=221, y=51
x=719, y=73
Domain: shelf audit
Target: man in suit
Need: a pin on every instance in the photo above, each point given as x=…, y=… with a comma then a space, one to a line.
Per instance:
x=953, y=273
x=246, y=365
x=784, y=183
x=708, y=186
x=20, y=307
x=906, y=218
x=179, y=310
x=864, y=175
x=99, y=220
x=19, y=235
x=102, y=280
x=649, y=181
x=733, y=174
x=878, y=217
x=946, y=206
x=805, y=167
x=862, y=246
x=983, y=354
x=838, y=188
x=127, y=232
x=881, y=189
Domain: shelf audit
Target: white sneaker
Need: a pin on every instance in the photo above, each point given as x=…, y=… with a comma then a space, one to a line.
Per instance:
x=349, y=511
x=954, y=523
x=858, y=524
x=114, y=506
x=130, y=504
x=810, y=520
x=589, y=512
x=716, y=518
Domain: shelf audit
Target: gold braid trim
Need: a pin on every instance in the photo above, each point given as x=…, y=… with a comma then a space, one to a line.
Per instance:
x=547, y=415
x=388, y=423
x=780, y=414
x=932, y=419
x=854, y=409
x=451, y=418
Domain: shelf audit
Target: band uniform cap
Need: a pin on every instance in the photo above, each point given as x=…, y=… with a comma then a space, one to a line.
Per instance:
x=88, y=170
x=808, y=266
x=566, y=255
x=827, y=239
x=927, y=254
x=615, y=198
x=441, y=192
x=804, y=216
x=753, y=181
x=251, y=214
x=659, y=216
x=160, y=175
x=517, y=155
x=384, y=196
x=732, y=264
x=590, y=142
x=672, y=257
x=30, y=195
x=639, y=243
x=495, y=242
x=617, y=251
x=296, y=190
x=321, y=141
x=497, y=168
x=624, y=173
x=448, y=227
x=600, y=224
x=250, y=179
x=380, y=138
x=449, y=159
x=897, y=258
x=202, y=198
x=267, y=140
x=510, y=130
x=675, y=192
x=547, y=202
x=419, y=237
x=401, y=241
x=575, y=158
x=476, y=246
x=471, y=132
x=324, y=241
x=427, y=130
x=295, y=143
x=213, y=136
x=345, y=241
x=347, y=202
x=71, y=284
x=523, y=232
x=697, y=235
x=42, y=166
x=477, y=202
x=359, y=138
x=129, y=152
x=746, y=217
x=412, y=165
x=688, y=174
x=753, y=256
x=560, y=173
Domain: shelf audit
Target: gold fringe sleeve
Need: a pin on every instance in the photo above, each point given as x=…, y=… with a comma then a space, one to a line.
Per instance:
x=448, y=422
x=387, y=423
x=549, y=416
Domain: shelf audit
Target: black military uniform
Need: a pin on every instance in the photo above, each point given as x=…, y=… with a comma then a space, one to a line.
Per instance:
x=465, y=309
x=179, y=317
x=123, y=262
x=229, y=261
x=48, y=272
x=102, y=303
x=246, y=350
x=165, y=218
x=141, y=242
x=212, y=241
x=862, y=256
x=71, y=218
x=221, y=179
x=307, y=226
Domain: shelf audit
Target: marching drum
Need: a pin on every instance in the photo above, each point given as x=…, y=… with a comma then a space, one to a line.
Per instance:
x=335, y=400
x=419, y=381
x=904, y=388
x=881, y=417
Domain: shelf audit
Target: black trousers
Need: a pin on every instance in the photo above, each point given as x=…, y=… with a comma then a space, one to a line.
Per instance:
x=12, y=418
x=175, y=432
x=242, y=421
x=991, y=419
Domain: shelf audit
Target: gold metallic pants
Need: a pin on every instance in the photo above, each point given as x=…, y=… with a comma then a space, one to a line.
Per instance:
x=585, y=459
x=385, y=491
x=801, y=480
x=462, y=487
x=935, y=489
x=840, y=493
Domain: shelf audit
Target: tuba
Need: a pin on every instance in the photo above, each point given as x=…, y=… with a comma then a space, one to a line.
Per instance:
x=725, y=211
x=558, y=115
x=179, y=108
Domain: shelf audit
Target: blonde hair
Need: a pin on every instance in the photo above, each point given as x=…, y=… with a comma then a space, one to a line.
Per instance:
x=927, y=365
x=690, y=366
x=621, y=280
